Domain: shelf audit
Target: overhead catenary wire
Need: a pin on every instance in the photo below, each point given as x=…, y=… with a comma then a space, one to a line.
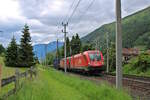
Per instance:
x=83, y=14
x=63, y=19
x=67, y=15
x=74, y=10
x=85, y=11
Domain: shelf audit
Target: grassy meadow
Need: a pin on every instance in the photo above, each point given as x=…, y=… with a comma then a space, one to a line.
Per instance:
x=7, y=72
x=54, y=85
x=127, y=69
x=51, y=84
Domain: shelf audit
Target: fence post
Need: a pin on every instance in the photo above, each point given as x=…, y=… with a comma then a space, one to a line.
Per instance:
x=17, y=79
x=0, y=76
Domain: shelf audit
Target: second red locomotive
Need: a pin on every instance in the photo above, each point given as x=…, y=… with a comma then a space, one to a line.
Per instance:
x=87, y=61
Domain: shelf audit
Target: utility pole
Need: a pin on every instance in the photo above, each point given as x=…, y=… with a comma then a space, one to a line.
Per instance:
x=107, y=70
x=118, y=46
x=64, y=31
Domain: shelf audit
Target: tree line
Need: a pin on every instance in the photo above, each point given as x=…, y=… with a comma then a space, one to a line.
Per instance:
x=75, y=46
x=20, y=55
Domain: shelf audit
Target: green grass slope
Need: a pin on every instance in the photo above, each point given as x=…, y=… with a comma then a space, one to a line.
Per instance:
x=135, y=28
x=54, y=85
x=7, y=72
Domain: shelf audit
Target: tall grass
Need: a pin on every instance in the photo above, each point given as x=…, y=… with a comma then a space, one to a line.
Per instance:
x=7, y=72
x=54, y=85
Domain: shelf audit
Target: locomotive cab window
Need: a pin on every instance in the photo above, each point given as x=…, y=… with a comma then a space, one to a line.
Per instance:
x=95, y=56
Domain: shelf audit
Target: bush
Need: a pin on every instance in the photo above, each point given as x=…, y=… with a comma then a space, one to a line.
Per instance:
x=138, y=65
x=143, y=62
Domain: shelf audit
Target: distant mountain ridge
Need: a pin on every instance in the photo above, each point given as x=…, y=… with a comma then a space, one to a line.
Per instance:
x=40, y=49
x=135, y=30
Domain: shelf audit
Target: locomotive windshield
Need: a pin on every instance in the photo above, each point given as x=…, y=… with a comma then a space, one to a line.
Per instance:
x=95, y=56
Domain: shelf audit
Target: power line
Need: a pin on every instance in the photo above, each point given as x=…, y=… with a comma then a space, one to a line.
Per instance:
x=87, y=9
x=69, y=19
x=64, y=19
x=69, y=10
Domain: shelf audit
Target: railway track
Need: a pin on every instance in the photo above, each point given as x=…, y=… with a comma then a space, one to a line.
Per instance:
x=138, y=87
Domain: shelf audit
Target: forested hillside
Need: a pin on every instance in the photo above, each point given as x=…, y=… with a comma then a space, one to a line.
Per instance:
x=135, y=30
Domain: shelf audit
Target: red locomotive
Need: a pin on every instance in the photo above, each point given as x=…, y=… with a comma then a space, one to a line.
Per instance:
x=87, y=61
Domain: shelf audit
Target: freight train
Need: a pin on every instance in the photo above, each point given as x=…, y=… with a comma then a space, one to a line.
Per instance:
x=90, y=61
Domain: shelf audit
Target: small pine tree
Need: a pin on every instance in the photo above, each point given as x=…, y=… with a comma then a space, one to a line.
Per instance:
x=11, y=56
x=68, y=46
x=78, y=44
x=73, y=45
x=62, y=52
x=26, y=55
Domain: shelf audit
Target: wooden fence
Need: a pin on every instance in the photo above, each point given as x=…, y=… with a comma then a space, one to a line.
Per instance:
x=15, y=78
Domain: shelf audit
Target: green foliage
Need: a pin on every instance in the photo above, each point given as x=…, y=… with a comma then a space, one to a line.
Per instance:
x=57, y=51
x=2, y=49
x=76, y=45
x=36, y=61
x=62, y=52
x=22, y=55
x=53, y=85
x=7, y=72
x=11, y=58
x=26, y=55
x=68, y=47
x=135, y=30
x=143, y=62
x=73, y=47
x=144, y=40
x=139, y=65
x=87, y=47
x=112, y=57
x=49, y=58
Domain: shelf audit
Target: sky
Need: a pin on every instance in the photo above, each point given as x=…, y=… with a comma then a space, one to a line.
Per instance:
x=44, y=17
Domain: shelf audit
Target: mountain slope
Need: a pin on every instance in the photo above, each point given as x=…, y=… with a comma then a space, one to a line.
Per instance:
x=134, y=28
x=40, y=49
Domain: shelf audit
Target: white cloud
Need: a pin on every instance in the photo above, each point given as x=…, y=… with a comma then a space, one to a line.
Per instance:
x=43, y=17
x=9, y=9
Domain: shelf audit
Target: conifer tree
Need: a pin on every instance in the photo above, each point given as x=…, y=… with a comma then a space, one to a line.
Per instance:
x=11, y=56
x=62, y=52
x=73, y=46
x=68, y=46
x=78, y=43
x=26, y=55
